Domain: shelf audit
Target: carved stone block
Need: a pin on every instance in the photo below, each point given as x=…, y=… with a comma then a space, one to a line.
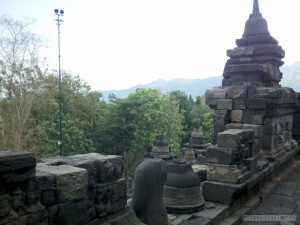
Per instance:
x=71, y=182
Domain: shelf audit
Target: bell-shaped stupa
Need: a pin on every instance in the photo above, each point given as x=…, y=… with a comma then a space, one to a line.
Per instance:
x=257, y=57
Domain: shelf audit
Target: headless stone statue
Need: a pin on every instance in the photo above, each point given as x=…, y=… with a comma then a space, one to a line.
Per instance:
x=147, y=201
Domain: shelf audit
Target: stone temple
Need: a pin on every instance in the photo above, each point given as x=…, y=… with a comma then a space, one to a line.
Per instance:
x=256, y=139
x=253, y=114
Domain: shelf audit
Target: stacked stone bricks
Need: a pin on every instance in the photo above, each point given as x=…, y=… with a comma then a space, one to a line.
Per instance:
x=253, y=115
x=296, y=124
x=251, y=96
x=76, y=190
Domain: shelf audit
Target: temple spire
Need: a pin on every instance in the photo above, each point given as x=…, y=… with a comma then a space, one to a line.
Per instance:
x=255, y=11
x=256, y=24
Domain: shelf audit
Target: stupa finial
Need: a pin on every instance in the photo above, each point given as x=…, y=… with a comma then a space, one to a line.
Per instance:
x=255, y=11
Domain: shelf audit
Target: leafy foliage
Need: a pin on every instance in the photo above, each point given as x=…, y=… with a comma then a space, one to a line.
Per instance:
x=29, y=108
x=207, y=127
x=134, y=122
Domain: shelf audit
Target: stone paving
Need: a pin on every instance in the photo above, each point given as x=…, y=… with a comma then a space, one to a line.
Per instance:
x=280, y=195
x=284, y=200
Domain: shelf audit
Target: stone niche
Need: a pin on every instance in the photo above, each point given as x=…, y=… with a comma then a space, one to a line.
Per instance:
x=75, y=190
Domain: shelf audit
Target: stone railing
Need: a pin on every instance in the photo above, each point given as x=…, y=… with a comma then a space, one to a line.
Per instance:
x=76, y=190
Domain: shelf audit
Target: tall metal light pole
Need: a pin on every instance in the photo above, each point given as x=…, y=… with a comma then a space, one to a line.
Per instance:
x=59, y=13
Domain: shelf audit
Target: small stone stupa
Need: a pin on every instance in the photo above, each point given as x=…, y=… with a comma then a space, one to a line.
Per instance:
x=182, y=191
x=161, y=149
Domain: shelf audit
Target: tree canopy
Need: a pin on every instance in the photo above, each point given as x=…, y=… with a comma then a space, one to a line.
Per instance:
x=29, y=108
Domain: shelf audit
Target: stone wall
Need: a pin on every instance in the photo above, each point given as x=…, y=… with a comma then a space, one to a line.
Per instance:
x=268, y=111
x=81, y=189
x=296, y=123
x=250, y=99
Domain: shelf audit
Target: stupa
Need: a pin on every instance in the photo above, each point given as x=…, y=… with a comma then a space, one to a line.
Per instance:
x=161, y=149
x=253, y=115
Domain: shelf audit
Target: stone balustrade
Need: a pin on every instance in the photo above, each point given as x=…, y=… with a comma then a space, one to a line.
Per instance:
x=75, y=190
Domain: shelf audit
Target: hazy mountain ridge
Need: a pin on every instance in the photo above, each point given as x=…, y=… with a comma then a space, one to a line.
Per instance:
x=197, y=87
x=291, y=76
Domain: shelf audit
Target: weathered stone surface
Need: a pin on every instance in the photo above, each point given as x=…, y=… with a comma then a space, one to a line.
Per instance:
x=258, y=129
x=98, y=221
x=211, y=191
x=161, y=149
x=127, y=217
x=109, y=167
x=221, y=155
x=220, y=119
x=216, y=93
x=217, y=129
x=110, y=197
x=227, y=173
x=257, y=144
x=201, y=171
x=147, y=201
x=16, y=166
x=215, y=214
x=183, y=200
x=201, y=159
x=47, y=186
x=239, y=103
x=189, y=155
x=181, y=175
x=273, y=93
x=240, y=51
x=270, y=142
x=181, y=218
x=253, y=119
x=234, y=126
x=71, y=182
x=196, y=140
x=14, y=159
x=271, y=129
x=224, y=104
x=72, y=213
x=236, y=116
x=233, y=138
x=91, y=166
x=237, y=92
x=182, y=193
x=7, y=215
x=32, y=191
x=256, y=103
x=251, y=164
x=262, y=164
x=198, y=221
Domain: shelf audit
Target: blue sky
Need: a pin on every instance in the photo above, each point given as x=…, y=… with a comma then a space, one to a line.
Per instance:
x=116, y=44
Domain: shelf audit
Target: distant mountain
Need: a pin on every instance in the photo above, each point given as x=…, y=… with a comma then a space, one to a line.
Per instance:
x=197, y=87
x=291, y=76
x=193, y=87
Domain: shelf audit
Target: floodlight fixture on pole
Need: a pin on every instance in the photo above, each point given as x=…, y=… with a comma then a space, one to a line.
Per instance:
x=59, y=13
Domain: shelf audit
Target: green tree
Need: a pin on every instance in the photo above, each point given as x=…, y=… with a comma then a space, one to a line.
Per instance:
x=82, y=108
x=20, y=78
x=207, y=127
x=134, y=122
x=192, y=111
